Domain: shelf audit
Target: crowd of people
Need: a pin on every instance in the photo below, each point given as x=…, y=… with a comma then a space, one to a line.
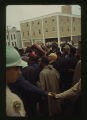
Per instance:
x=43, y=81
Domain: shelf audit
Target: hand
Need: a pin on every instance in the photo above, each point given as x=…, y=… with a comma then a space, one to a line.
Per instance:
x=71, y=70
x=51, y=94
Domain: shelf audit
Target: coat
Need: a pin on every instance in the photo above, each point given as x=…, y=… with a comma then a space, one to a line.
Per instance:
x=31, y=73
x=49, y=81
x=28, y=93
x=77, y=73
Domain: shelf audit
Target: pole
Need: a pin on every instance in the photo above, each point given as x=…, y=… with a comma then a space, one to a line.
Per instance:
x=43, y=32
x=58, y=34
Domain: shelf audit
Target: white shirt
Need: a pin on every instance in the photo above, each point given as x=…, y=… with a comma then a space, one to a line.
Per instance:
x=14, y=105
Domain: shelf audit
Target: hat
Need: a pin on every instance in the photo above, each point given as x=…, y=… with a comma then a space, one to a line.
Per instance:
x=13, y=58
x=53, y=56
x=67, y=47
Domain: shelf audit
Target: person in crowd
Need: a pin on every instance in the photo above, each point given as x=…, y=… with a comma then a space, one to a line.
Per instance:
x=66, y=67
x=31, y=72
x=48, y=49
x=32, y=54
x=66, y=51
x=72, y=51
x=74, y=94
x=56, y=49
x=78, y=51
x=33, y=60
x=77, y=73
x=14, y=105
x=28, y=50
x=38, y=50
x=43, y=46
x=25, y=58
x=49, y=81
x=52, y=59
x=29, y=93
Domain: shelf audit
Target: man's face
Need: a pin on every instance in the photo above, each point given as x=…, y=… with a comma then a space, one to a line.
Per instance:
x=12, y=74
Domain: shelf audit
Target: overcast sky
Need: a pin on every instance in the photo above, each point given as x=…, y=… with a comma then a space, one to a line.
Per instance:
x=17, y=13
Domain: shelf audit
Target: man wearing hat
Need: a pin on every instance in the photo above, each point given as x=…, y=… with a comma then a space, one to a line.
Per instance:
x=14, y=105
x=52, y=57
x=66, y=51
x=49, y=81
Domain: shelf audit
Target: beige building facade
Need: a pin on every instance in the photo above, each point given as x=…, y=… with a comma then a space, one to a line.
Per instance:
x=55, y=27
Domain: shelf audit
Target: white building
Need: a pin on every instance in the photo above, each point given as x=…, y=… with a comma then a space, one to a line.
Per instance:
x=13, y=37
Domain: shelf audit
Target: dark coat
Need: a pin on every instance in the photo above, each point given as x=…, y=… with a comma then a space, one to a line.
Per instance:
x=31, y=73
x=29, y=94
x=63, y=65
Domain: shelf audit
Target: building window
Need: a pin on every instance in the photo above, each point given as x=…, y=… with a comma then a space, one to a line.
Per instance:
x=53, y=20
x=34, y=33
x=32, y=22
x=67, y=19
x=14, y=36
x=74, y=28
x=27, y=24
x=73, y=19
x=46, y=30
x=39, y=31
x=15, y=44
x=38, y=23
x=53, y=29
x=62, y=29
x=45, y=21
x=11, y=37
x=28, y=33
x=68, y=29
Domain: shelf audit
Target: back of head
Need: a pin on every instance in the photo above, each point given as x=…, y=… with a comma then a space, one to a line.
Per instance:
x=53, y=56
x=32, y=60
x=73, y=50
x=54, y=46
x=45, y=60
x=67, y=47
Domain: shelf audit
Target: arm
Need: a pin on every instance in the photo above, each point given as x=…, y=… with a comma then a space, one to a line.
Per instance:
x=72, y=92
x=25, y=86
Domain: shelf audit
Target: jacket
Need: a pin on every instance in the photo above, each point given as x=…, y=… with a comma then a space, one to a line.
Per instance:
x=49, y=81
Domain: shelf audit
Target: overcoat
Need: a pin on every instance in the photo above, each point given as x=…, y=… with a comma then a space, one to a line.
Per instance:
x=49, y=81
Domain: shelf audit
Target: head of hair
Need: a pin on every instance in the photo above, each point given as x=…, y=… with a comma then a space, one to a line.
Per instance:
x=45, y=60
x=73, y=50
x=32, y=60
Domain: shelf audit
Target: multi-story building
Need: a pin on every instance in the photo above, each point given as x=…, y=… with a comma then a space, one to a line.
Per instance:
x=55, y=27
x=13, y=37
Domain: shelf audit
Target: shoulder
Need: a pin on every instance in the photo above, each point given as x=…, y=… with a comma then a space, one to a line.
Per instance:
x=14, y=105
x=11, y=95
